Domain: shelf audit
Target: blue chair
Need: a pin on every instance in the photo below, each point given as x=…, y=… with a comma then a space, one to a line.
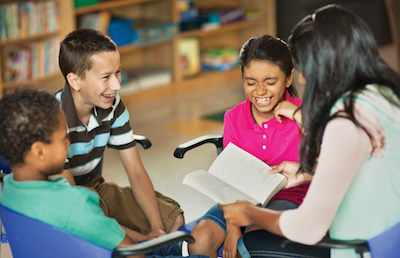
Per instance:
x=386, y=244
x=30, y=237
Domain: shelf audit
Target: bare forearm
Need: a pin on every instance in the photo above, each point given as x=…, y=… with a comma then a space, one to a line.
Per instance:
x=265, y=218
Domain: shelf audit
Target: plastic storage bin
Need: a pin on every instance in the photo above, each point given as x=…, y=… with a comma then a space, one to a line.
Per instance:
x=81, y=3
x=120, y=31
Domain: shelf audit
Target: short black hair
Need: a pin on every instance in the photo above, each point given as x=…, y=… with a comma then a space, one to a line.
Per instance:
x=27, y=115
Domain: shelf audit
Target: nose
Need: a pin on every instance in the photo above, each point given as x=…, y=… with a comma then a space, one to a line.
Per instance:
x=115, y=83
x=261, y=88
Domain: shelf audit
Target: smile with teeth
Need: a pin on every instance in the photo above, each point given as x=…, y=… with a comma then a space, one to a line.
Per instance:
x=109, y=95
x=263, y=101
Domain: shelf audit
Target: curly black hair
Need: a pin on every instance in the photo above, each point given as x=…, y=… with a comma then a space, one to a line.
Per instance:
x=27, y=115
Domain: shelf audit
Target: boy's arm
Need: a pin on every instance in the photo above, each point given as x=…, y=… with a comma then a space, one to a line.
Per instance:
x=142, y=189
x=67, y=174
x=128, y=241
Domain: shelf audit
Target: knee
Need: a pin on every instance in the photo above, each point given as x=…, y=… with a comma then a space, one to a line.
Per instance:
x=207, y=237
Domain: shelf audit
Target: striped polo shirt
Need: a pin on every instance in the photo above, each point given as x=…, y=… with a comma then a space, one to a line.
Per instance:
x=106, y=127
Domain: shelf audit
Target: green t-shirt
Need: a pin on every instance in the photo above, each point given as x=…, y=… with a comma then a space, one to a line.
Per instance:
x=72, y=208
x=372, y=203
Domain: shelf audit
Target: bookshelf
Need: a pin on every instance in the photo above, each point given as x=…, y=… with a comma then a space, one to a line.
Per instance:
x=166, y=54
x=23, y=27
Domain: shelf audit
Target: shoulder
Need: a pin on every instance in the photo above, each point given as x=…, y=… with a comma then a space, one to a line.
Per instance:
x=296, y=101
x=239, y=109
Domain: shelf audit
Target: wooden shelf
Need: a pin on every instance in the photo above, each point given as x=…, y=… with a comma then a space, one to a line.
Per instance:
x=10, y=85
x=29, y=38
x=206, y=79
x=133, y=47
x=108, y=5
x=165, y=54
x=223, y=28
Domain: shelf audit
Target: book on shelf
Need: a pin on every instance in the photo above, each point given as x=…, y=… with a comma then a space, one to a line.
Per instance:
x=144, y=78
x=98, y=21
x=236, y=175
x=30, y=61
x=27, y=18
x=189, y=49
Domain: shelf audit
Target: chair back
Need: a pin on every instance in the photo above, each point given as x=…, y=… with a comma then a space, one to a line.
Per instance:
x=386, y=244
x=30, y=237
x=4, y=167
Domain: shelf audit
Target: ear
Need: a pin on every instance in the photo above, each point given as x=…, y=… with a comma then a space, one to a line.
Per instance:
x=289, y=79
x=73, y=81
x=38, y=151
x=301, y=79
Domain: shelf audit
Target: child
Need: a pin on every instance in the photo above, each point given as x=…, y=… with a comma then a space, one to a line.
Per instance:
x=35, y=143
x=259, y=126
x=90, y=63
x=351, y=117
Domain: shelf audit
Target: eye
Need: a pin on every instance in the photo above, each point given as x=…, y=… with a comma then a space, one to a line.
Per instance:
x=271, y=83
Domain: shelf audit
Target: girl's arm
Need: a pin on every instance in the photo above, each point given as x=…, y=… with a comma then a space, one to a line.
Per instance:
x=288, y=109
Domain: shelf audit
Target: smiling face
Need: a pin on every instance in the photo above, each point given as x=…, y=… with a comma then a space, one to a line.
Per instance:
x=101, y=82
x=264, y=85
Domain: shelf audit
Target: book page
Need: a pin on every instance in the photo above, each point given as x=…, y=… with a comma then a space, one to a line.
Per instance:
x=246, y=173
x=214, y=188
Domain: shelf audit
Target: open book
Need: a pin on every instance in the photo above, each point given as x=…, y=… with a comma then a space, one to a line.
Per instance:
x=236, y=175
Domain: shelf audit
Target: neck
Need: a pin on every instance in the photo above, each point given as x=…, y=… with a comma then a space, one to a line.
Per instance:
x=24, y=173
x=83, y=109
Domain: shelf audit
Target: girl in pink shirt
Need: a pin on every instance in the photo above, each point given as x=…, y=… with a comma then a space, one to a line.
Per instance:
x=263, y=125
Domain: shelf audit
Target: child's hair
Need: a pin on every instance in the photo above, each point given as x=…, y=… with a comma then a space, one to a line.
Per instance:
x=27, y=115
x=268, y=48
x=77, y=48
x=337, y=53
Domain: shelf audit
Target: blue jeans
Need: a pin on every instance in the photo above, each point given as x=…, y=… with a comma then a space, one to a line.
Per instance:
x=216, y=215
x=172, y=251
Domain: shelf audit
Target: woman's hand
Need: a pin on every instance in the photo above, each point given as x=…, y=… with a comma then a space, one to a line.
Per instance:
x=235, y=213
x=289, y=170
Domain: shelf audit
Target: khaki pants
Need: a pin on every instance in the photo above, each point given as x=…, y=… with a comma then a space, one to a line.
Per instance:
x=119, y=203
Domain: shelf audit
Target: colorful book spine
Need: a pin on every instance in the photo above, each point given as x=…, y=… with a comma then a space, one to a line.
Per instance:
x=27, y=18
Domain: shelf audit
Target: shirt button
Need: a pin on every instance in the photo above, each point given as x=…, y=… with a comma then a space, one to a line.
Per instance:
x=265, y=126
x=264, y=147
x=264, y=136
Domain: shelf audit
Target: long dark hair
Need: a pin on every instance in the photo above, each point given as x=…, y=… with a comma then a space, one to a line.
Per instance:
x=268, y=48
x=337, y=53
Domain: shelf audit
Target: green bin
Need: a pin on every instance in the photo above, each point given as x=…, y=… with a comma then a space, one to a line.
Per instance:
x=81, y=3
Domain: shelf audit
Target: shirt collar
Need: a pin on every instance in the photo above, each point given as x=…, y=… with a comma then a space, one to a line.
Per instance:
x=250, y=123
x=68, y=105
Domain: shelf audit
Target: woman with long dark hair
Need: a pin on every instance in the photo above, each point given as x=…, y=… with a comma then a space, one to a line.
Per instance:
x=351, y=141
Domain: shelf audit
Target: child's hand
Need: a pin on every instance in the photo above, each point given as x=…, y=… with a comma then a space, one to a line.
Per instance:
x=289, y=170
x=156, y=233
x=285, y=108
x=230, y=243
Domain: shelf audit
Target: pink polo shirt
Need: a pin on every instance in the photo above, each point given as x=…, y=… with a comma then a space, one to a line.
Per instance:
x=273, y=143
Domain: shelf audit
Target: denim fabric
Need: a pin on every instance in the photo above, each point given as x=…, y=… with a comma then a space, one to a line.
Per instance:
x=172, y=251
x=216, y=215
x=262, y=244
